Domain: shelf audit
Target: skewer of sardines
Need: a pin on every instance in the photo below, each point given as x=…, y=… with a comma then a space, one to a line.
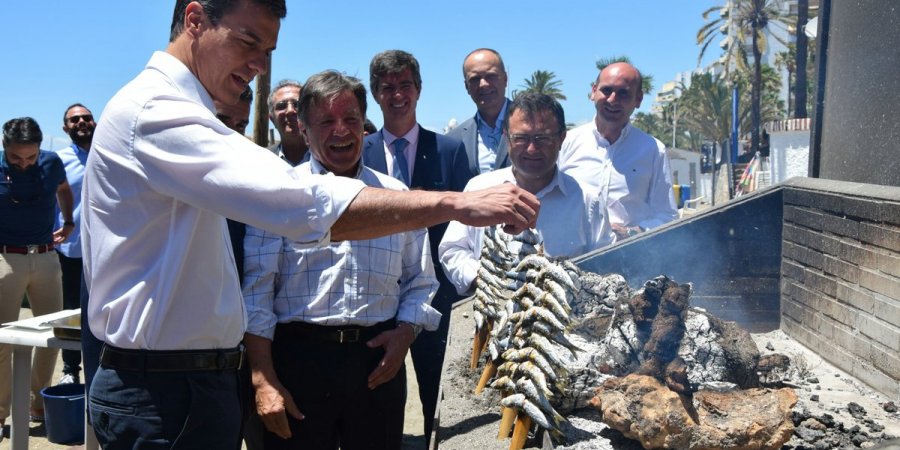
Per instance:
x=532, y=365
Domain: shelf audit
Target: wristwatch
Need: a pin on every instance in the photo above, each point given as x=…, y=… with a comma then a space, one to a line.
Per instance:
x=416, y=328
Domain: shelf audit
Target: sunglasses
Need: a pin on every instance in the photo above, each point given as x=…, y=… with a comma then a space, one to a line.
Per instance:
x=17, y=199
x=282, y=105
x=85, y=117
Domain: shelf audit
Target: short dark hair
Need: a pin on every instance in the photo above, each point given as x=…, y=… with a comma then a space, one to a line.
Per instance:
x=278, y=86
x=531, y=103
x=22, y=130
x=369, y=127
x=393, y=62
x=328, y=85
x=215, y=9
x=73, y=105
x=484, y=49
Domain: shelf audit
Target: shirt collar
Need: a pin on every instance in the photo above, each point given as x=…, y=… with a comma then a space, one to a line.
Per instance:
x=603, y=142
x=189, y=85
x=77, y=148
x=555, y=183
x=480, y=122
x=316, y=168
x=411, y=136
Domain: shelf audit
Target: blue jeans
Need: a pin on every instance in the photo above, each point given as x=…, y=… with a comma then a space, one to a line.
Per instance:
x=166, y=410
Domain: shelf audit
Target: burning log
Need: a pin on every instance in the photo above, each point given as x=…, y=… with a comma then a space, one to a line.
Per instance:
x=644, y=409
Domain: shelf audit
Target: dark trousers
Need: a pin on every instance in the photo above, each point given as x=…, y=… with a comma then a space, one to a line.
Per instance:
x=72, y=273
x=427, y=353
x=166, y=410
x=328, y=382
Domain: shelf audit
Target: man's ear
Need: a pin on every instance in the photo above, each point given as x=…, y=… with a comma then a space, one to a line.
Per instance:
x=194, y=16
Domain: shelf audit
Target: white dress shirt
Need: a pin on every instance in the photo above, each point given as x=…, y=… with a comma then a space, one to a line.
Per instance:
x=73, y=158
x=346, y=283
x=411, y=136
x=632, y=174
x=572, y=222
x=162, y=175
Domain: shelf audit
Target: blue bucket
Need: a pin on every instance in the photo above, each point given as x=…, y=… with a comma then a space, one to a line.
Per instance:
x=64, y=413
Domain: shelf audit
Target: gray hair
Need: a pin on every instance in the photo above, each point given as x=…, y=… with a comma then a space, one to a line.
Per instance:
x=283, y=83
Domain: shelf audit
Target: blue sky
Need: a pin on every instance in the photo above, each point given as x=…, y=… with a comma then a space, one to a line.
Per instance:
x=58, y=53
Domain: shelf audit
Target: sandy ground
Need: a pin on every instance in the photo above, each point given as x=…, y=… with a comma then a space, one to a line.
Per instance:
x=471, y=422
x=413, y=434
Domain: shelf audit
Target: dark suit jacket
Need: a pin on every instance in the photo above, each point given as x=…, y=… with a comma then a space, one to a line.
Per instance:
x=467, y=132
x=441, y=165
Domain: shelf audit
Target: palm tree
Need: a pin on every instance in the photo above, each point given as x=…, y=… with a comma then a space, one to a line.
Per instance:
x=788, y=60
x=543, y=82
x=740, y=20
x=646, y=79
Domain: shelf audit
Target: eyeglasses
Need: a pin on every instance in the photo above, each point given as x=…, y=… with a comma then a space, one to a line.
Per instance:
x=36, y=181
x=85, y=117
x=282, y=105
x=540, y=140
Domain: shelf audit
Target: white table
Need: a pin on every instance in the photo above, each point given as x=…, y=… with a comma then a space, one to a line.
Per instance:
x=24, y=336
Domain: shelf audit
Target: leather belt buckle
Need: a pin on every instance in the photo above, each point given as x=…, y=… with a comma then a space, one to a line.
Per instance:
x=348, y=336
x=32, y=249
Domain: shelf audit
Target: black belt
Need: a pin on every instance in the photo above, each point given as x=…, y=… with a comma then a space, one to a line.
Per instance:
x=341, y=334
x=171, y=360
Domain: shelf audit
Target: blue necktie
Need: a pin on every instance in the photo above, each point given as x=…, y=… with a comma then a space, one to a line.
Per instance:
x=401, y=166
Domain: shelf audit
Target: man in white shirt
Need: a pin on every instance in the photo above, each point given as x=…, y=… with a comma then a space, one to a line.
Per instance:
x=629, y=167
x=573, y=220
x=162, y=175
x=346, y=389
x=291, y=147
x=485, y=79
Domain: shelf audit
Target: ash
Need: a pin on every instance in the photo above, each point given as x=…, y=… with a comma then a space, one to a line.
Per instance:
x=834, y=411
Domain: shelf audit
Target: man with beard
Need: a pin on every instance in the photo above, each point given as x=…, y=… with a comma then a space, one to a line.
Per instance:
x=627, y=166
x=292, y=148
x=329, y=327
x=426, y=160
x=78, y=123
x=484, y=76
x=32, y=184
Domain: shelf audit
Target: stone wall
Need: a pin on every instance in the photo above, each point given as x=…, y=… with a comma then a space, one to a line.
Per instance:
x=840, y=287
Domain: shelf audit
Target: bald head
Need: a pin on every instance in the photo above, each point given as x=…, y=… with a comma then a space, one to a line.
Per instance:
x=616, y=94
x=485, y=79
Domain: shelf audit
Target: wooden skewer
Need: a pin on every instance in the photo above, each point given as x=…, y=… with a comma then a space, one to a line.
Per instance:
x=489, y=371
x=520, y=433
x=479, y=344
x=507, y=418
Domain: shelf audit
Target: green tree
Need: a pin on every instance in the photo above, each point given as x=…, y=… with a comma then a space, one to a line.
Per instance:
x=705, y=106
x=788, y=60
x=646, y=79
x=542, y=82
x=741, y=20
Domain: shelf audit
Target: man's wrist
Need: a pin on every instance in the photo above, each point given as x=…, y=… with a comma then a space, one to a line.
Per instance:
x=416, y=329
x=68, y=223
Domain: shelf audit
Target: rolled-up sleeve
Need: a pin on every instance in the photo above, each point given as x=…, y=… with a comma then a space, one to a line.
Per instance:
x=418, y=283
x=262, y=256
x=459, y=252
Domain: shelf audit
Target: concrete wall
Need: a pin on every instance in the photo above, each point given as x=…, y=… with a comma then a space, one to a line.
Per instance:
x=857, y=105
x=731, y=254
x=788, y=149
x=840, y=288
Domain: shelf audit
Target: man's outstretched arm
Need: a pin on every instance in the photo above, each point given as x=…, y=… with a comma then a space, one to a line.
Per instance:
x=380, y=212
